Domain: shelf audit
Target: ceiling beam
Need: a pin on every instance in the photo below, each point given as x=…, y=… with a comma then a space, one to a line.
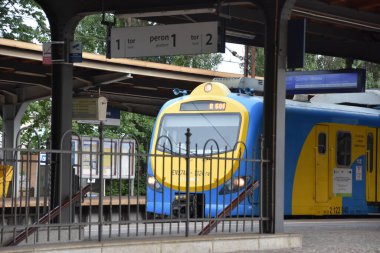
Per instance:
x=32, y=66
x=337, y=14
x=25, y=80
x=354, y=49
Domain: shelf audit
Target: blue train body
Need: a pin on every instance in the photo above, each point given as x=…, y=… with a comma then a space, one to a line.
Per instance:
x=326, y=157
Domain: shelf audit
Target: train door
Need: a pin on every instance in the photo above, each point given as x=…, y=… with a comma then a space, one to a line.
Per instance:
x=371, y=167
x=322, y=164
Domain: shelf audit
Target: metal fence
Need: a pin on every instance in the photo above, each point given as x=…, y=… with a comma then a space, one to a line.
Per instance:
x=111, y=193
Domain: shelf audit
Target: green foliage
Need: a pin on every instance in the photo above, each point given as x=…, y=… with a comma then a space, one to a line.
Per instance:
x=319, y=62
x=138, y=127
x=23, y=20
x=373, y=73
x=37, y=118
x=92, y=34
x=116, y=187
x=259, y=60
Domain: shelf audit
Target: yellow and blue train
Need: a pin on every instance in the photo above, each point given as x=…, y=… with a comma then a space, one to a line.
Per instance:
x=331, y=156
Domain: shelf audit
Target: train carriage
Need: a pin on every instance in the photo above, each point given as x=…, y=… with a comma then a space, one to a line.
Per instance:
x=331, y=165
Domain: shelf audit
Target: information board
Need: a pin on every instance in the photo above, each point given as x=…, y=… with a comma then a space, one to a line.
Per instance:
x=342, y=182
x=179, y=39
x=118, y=158
x=332, y=81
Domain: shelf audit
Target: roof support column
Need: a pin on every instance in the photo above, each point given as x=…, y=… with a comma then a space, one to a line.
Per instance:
x=277, y=13
x=62, y=82
x=12, y=115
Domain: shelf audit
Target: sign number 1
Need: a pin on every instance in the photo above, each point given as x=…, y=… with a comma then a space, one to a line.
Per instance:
x=173, y=36
x=177, y=39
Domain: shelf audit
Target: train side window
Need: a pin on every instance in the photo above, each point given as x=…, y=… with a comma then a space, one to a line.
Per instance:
x=370, y=151
x=322, y=143
x=343, y=149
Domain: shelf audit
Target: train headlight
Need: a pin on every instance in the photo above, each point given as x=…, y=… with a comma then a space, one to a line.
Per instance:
x=233, y=185
x=208, y=87
x=154, y=184
x=238, y=182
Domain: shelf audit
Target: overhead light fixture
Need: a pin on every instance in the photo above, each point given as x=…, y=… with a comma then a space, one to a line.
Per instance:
x=167, y=13
x=118, y=79
x=240, y=35
x=145, y=88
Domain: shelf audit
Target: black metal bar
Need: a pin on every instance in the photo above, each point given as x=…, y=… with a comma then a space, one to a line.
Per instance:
x=188, y=134
x=100, y=207
x=261, y=185
x=47, y=217
x=213, y=223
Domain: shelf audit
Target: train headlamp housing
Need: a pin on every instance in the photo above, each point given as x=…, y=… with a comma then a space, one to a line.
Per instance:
x=208, y=87
x=238, y=182
x=234, y=185
x=153, y=184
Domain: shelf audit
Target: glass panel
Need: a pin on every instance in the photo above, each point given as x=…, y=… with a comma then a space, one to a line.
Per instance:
x=343, y=149
x=223, y=128
x=322, y=143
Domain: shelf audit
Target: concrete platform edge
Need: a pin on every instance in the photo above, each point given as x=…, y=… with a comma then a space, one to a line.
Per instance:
x=210, y=244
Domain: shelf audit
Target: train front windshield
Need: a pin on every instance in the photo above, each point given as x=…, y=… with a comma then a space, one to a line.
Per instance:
x=222, y=128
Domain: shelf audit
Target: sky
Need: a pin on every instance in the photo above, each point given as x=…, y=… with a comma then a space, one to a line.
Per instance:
x=232, y=63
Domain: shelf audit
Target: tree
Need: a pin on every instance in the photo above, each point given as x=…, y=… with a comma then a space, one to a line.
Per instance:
x=23, y=20
x=37, y=118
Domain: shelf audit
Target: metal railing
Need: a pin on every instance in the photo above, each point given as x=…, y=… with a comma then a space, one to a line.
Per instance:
x=117, y=192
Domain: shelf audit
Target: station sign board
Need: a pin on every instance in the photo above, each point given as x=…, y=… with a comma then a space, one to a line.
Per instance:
x=160, y=40
x=331, y=81
x=118, y=158
x=89, y=108
x=46, y=53
x=112, y=118
x=75, y=54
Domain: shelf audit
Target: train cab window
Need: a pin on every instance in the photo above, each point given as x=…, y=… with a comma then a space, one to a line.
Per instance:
x=222, y=128
x=322, y=143
x=370, y=151
x=343, y=149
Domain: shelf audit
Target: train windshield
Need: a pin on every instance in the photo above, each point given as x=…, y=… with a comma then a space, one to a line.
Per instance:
x=223, y=129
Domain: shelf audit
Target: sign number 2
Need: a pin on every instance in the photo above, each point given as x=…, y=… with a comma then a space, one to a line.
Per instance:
x=209, y=36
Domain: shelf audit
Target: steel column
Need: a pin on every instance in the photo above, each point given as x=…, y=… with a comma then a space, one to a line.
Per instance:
x=12, y=115
x=62, y=83
x=277, y=13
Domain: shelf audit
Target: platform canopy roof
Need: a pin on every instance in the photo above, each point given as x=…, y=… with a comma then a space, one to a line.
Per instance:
x=129, y=85
x=344, y=28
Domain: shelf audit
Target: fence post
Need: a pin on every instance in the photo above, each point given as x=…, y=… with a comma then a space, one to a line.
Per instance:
x=261, y=182
x=101, y=181
x=188, y=134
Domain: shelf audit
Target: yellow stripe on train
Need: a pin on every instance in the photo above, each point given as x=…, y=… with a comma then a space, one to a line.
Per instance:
x=204, y=173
